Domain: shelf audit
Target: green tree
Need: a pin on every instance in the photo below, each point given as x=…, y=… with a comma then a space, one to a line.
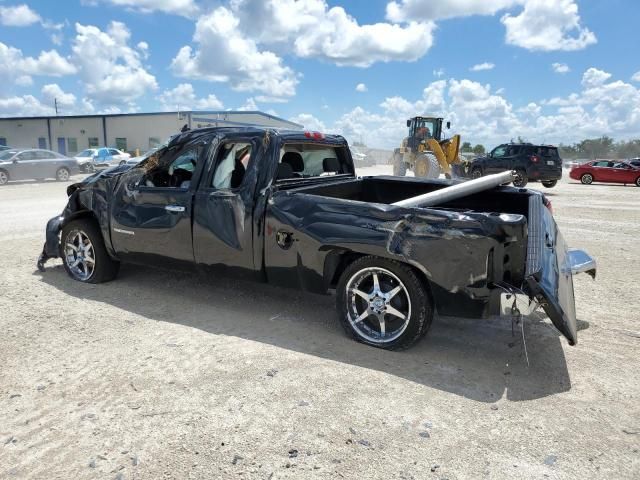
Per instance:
x=479, y=149
x=595, y=147
x=466, y=147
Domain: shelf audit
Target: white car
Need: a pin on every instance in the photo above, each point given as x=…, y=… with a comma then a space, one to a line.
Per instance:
x=97, y=158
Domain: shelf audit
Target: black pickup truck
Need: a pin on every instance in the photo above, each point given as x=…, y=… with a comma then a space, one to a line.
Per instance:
x=287, y=208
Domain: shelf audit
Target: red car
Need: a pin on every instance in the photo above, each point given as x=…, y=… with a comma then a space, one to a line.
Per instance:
x=606, y=171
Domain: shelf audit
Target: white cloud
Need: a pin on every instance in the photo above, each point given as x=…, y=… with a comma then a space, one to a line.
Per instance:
x=24, y=106
x=15, y=67
x=53, y=93
x=57, y=38
x=310, y=29
x=439, y=72
x=111, y=70
x=636, y=77
x=361, y=87
x=540, y=25
x=408, y=10
x=178, y=7
x=249, y=106
x=237, y=59
x=183, y=97
x=482, y=66
x=309, y=122
x=481, y=115
x=594, y=77
x=18, y=16
x=560, y=67
x=548, y=25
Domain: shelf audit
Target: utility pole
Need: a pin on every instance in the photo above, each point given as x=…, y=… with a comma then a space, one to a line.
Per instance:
x=55, y=105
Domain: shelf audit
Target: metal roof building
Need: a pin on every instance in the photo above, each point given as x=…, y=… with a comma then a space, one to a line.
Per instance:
x=129, y=131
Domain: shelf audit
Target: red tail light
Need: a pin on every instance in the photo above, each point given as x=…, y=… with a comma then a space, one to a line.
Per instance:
x=534, y=159
x=314, y=135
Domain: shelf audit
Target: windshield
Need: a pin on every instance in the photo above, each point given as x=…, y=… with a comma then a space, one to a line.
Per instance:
x=86, y=153
x=424, y=128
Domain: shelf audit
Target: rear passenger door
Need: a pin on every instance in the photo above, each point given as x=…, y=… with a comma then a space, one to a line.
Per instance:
x=223, y=222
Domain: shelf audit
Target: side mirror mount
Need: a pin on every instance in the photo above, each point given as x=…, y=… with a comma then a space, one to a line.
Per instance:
x=448, y=125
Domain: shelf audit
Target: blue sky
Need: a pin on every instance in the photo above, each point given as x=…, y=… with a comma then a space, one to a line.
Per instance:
x=304, y=60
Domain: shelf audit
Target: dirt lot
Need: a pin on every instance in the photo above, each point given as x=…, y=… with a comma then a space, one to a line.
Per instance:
x=161, y=375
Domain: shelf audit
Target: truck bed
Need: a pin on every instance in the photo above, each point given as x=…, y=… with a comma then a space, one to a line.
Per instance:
x=388, y=190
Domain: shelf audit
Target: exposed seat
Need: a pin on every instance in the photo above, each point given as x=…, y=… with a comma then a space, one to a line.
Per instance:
x=294, y=159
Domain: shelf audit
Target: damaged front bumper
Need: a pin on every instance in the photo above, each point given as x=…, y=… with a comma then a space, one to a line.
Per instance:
x=51, y=247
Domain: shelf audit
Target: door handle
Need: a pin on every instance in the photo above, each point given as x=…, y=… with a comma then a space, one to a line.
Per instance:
x=174, y=208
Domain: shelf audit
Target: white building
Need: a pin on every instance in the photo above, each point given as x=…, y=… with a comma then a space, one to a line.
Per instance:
x=130, y=132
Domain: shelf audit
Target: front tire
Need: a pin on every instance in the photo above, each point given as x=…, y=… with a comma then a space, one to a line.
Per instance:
x=550, y=183
x=383, y=303
x=476, y=172
x=426, y=166
x=63, y=174
x=586, y=179
x=84, y=254
x=637, y=182
x=4, y=177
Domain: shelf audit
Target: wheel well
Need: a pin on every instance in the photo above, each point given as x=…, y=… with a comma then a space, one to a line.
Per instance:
x=82, y=214
x=341, y=260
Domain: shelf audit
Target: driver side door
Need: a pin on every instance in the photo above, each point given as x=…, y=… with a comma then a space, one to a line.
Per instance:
x=153, y=204
x=495, y=162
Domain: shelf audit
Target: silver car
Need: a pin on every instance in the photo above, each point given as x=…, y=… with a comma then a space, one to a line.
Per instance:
x=35, y=164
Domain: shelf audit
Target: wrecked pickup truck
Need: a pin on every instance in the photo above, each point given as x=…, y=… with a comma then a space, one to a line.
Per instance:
x=287, y=208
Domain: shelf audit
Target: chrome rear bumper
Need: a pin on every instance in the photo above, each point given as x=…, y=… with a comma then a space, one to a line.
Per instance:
x=580, y=261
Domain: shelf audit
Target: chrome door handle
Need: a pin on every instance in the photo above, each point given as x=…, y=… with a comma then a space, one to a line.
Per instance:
x=174, y=208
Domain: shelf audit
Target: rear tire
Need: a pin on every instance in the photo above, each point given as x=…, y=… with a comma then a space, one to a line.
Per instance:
x=84, y=254
x=4, y=177
x=586, y=179
x=63, y=174
x=521, y=179
x=476, y=172
x=638, y=182
x=550, y=183
x=393, y=315
x=399, y=167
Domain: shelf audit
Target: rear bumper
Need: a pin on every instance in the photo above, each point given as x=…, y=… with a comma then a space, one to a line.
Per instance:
x=545, y=175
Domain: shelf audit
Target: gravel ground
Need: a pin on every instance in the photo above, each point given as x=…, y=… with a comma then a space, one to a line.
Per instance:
x=160, y=375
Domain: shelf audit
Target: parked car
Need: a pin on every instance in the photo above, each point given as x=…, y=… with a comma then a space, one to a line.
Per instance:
x=35, y=164
x=533, y=163
x=608, y=172
x=634, y=162
x=136, y=160
x=4, y=147
x=92, y=159
x=287, y=208
x=86, y=160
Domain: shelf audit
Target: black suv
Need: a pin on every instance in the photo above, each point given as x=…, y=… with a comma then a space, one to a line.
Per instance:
x=533, y=163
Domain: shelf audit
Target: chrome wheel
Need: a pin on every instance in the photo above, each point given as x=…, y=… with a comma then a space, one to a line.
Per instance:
x=4, y=178
x=476, y=173
x=378, y=305
x=79, y=255
x=587, y=179
x=62, y=175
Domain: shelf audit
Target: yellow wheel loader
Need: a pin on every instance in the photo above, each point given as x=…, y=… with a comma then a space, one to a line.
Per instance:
x=425, y=151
